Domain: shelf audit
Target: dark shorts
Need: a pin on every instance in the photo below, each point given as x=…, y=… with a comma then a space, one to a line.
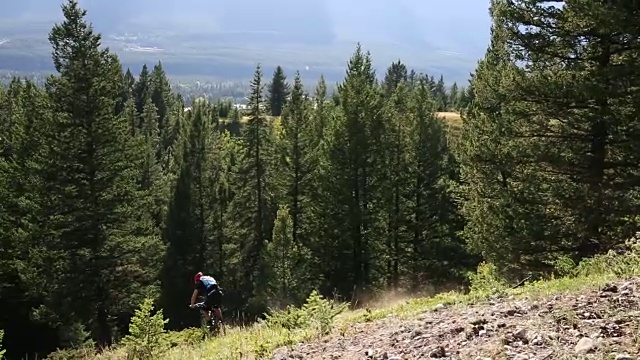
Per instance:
x=213, y=299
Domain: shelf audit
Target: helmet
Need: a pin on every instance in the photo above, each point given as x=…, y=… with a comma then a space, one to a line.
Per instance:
x=197, y=277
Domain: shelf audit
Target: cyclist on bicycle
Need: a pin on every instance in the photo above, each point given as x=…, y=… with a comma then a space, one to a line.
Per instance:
x=207, y=287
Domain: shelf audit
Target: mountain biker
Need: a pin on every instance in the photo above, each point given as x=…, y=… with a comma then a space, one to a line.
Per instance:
x=207, y=286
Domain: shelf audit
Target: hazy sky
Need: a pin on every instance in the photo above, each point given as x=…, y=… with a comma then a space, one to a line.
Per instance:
x=457, y=23
x=395, y=28
x=440, y=37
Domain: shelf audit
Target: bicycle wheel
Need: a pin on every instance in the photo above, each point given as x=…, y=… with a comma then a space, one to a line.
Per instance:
x=203, y=319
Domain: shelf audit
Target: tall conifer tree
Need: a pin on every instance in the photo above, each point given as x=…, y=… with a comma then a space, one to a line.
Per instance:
x=96, y=230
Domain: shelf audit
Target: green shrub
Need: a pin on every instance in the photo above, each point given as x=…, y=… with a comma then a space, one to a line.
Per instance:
x=290, y=318
x=81, y=353
x=188, y=336
x=1, y=350
x=75, y=336
x=626, y=263
x=322, y=312
x=147, y=338
x=76, y=343
x=486, y=280
x=564, y=266
x=317, y=313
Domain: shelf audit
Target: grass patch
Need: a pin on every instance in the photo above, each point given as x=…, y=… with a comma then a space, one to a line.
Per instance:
x=238, y=343
x=452, y=118
x=320, y=316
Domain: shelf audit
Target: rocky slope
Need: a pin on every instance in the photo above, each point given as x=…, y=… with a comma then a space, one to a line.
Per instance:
x=594, y=324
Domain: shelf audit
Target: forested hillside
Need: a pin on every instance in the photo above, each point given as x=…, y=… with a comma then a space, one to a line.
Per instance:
x=112, y=191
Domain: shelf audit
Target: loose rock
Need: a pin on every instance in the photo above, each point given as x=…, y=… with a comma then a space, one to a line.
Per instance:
x=624, y=357
x=521, y=334
x=559, y=326
x=438, y=352
x=584, y=345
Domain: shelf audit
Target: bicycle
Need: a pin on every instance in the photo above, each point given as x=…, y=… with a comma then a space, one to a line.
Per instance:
x=215, y=320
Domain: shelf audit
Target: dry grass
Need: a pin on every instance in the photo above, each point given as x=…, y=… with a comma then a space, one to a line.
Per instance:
x=239, y=343
x=452, y=118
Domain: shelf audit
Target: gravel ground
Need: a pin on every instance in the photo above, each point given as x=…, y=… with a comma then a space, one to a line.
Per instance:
x=595, y=324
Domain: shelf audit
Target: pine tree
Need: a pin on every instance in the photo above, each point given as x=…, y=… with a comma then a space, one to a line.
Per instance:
x=289, y=279
x=463, y=100
x=454, y=104
x=295, y=173
x=412, y=79
x=192, y=243
x=252, y=212
x=11, y=117
x=503, y=189
x=95, y=229
x=279, y=91
x=437, y=254
x=396, y=74
x=142, y=88
x=578, y=99
x=440, y=95
x=321, y=110
x=129, y=84
x=352, y=225
x=468, y=95
x=172, y=165
x=221, y=163
x=163, y=100
x=23, y=118
x=152, y=180
x=296, y=128
x=131, y=116
x=319, y=200
x=393, y=174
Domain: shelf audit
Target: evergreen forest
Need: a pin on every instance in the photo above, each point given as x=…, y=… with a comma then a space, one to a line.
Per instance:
x=114, y=190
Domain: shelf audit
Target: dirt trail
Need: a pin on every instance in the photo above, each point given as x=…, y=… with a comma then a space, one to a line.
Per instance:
x=595, y=324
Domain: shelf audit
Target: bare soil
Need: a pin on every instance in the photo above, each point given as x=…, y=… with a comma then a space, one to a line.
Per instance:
x=594, y=324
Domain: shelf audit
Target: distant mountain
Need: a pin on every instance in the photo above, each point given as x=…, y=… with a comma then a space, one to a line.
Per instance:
x=203, y=37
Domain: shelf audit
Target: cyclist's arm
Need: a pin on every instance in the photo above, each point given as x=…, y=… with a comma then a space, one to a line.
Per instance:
x=194, y=296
